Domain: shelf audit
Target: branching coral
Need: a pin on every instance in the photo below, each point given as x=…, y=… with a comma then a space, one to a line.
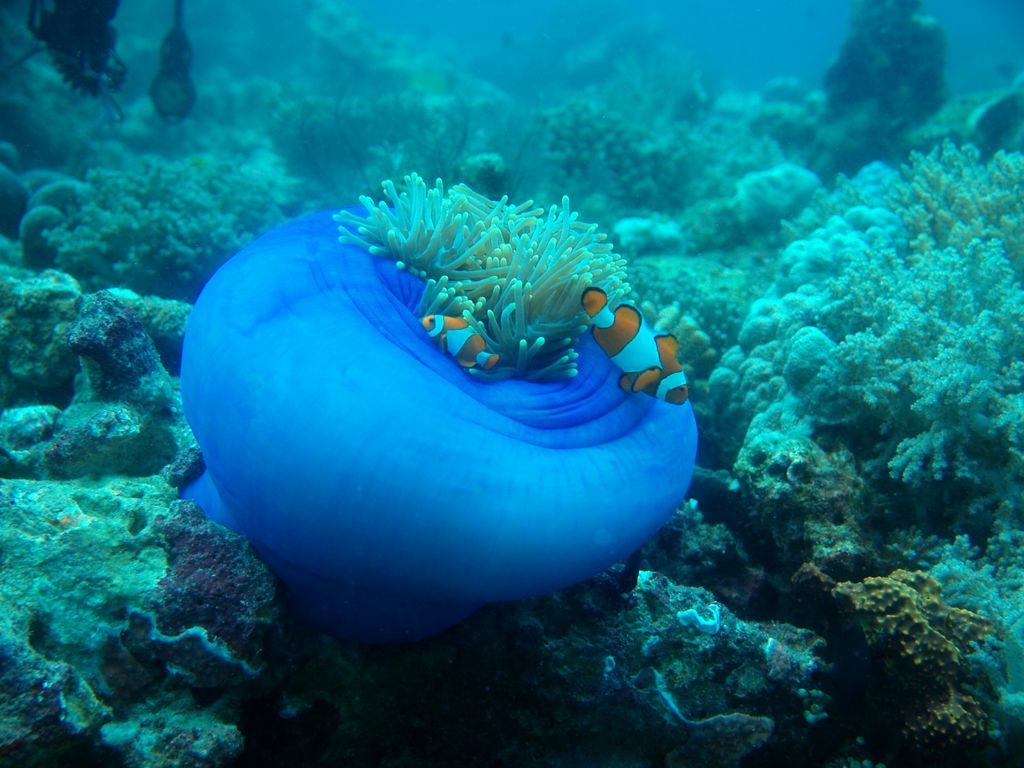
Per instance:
x=992, y=584
x=946, y=198
x=950, y=198
x=918, y=321
x=515, y=274
x=935, y=362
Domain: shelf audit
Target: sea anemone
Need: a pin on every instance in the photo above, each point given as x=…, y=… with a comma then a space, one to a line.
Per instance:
x=515, y=274
x=392, y=492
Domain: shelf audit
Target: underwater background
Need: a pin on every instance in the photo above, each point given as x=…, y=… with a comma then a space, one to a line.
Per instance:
x=822, y=202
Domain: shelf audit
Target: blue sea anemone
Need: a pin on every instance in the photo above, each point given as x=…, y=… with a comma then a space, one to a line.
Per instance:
x=394, y=493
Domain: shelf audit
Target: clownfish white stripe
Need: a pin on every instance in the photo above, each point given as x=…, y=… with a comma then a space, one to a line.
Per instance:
x=438, y=328
x=640, y=353
x=483, y=358
x=457, y=338
x=605, y=318
x=670, y=382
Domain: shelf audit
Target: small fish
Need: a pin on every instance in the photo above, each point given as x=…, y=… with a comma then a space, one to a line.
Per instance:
x=647, y=359
x=460, y=341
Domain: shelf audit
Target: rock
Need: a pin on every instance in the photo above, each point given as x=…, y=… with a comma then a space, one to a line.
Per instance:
x=123, y=363
x=806, y=500
x=22, y=428
x=99, y=439
x=48, y=710
x=35, y=362
x=215, y=584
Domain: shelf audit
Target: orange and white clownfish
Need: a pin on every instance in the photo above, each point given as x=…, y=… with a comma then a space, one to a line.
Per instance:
x=647, y=358
x=460, y=341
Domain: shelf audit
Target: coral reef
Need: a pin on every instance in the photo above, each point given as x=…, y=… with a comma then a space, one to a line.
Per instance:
x=80, y=668
x=587, y=676
x=163, y=229
x=888, y=77
x=117, y=600
x=853, y=348
x=921, y=645
x=906, y=336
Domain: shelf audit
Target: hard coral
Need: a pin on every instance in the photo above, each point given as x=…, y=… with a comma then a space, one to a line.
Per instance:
x=949, y=197
x=164, y=228
x=903, y=340
x=599, y=148
x=921, y=643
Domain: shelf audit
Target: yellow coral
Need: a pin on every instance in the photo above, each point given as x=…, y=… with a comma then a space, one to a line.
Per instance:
x=922, y=643
x=515, y=274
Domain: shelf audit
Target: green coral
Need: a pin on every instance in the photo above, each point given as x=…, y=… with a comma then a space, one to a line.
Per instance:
x=945, y=198
x=992, y=584
x=165, y=228
x=513, y=272
x=938, y=368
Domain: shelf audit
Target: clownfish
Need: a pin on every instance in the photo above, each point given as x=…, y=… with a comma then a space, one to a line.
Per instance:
x=460, y=341
x=647, y=359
